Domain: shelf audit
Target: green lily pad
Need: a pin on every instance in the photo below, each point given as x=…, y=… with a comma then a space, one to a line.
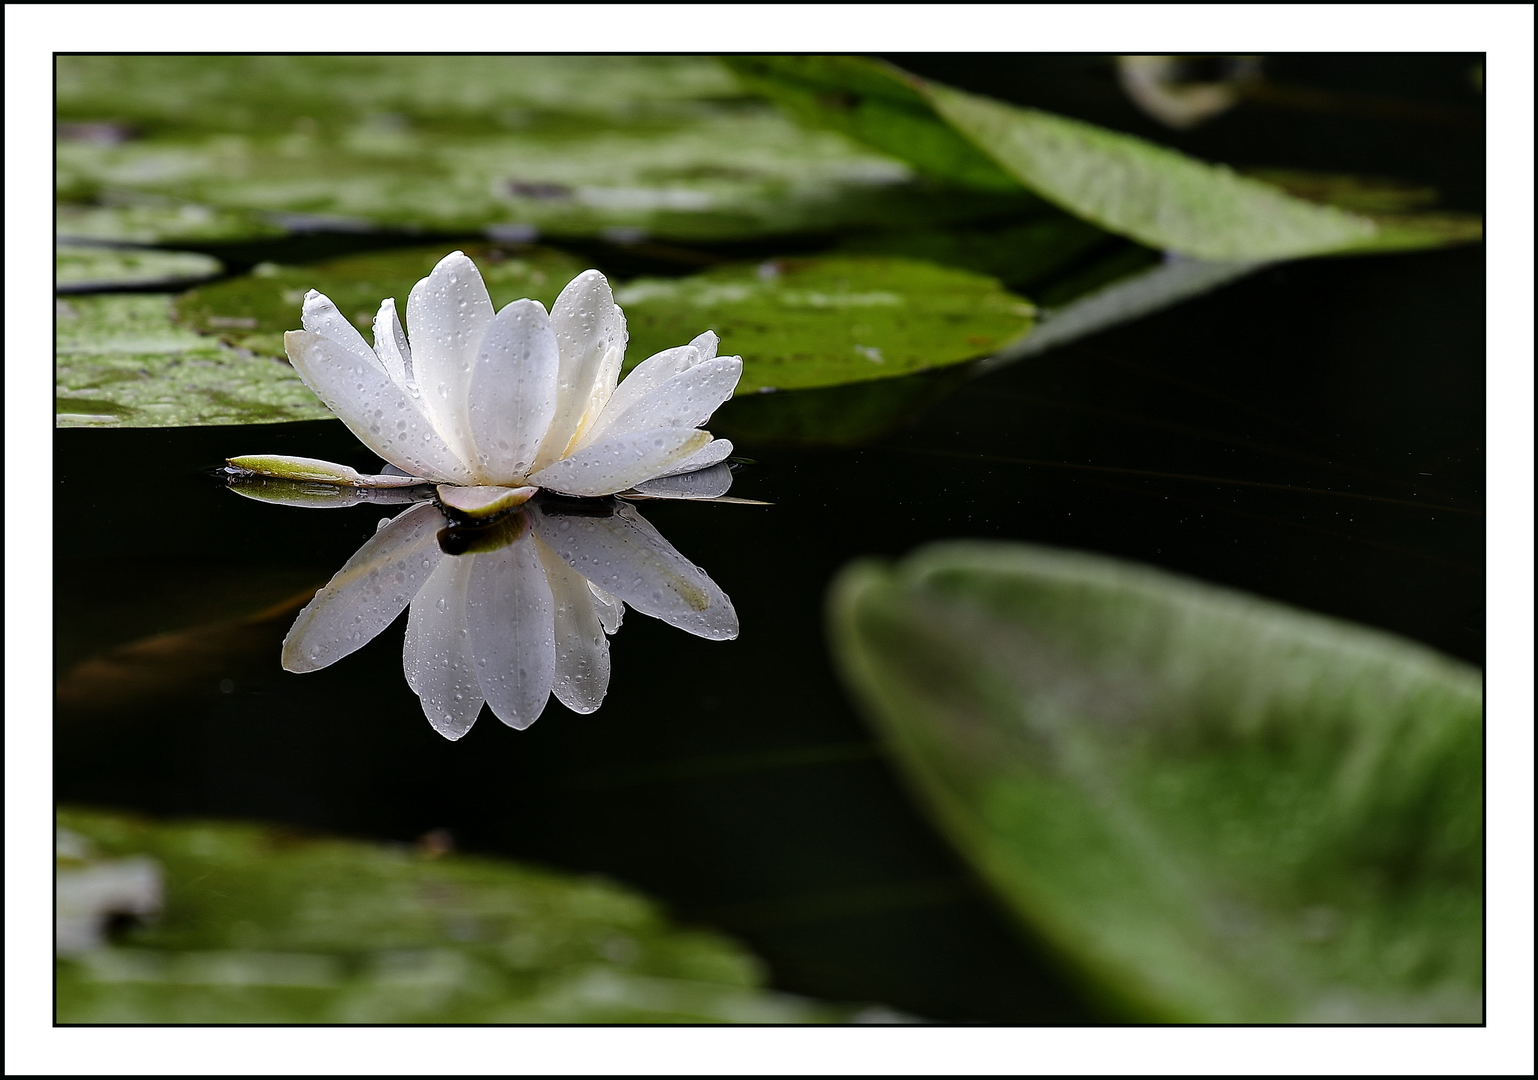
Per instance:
x=158, y=221
x=1218, y=809
x=253, y=312
x=1125, y=185
x=261, y=925
x=120, y=361
x=77, y=268
x=575, y=146
x=795, y=322
x=827, y=321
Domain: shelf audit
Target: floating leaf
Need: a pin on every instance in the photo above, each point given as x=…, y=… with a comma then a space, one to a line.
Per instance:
x=93, y=268
x=1128, y=186
x=158, y=221
x=576, y=146
x=826, y=321
x=264, y=926
x=120, y=361
x=253, y=312
x=1217, y=808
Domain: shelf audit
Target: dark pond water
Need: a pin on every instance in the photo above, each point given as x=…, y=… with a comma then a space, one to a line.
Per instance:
x=1313, y=434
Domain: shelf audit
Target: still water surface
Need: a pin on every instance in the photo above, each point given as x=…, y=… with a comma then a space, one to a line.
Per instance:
x=1313, y=434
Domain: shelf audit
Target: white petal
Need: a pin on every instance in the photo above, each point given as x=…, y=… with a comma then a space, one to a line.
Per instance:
x=684, y=401
x=611, y=609
x=614, y=464
x=581, y=649
x=447, y=314
x=320, y=316
x=709, y=483
x=437, y=654
x=590, y=328
x=382, y=415
x=713, y=453
x=368, y=592
x=646, y=377
x=484, y=502
x=513, y=392
x=623, y=555
x=511, y=618
x=391, y=347
x=707, y=343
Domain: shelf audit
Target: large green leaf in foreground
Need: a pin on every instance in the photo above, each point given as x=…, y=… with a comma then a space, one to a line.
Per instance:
x=566, y=145
x=1215, y=807
x=263, y=926
x=1128, y=186
x=119, y=361
x=796, y=322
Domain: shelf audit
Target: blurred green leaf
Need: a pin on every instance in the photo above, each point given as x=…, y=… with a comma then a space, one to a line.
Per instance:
x=1151, y=194
x=253, y=312
x=264, y=926
x=154, y=221
x=78, y=268
x=1216, y=808
x=826, y=321
x=120, y=361
x=575, y=146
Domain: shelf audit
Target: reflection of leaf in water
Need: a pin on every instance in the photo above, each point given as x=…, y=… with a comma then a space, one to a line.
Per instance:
x=80, y=268
x=1218, y=808
x=265, y=926
x=825, y=321
x=568, y=145
x=193, y=662
x=120, y=361
x=252, y=312
x=1123, y=184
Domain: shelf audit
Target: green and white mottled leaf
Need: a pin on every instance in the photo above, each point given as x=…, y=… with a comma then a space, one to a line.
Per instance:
x=157, y=221
x=119, y=361
x=575, y=146
x=260, y=925
x=1125, y=185
x=826, y=321
x=1214, y=807
x=77, y=268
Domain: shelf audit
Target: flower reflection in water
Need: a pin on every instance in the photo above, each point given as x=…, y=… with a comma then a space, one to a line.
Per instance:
x=507, y=612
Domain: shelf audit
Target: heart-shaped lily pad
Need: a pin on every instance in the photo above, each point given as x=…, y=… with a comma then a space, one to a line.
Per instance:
x=120, y=361
x=1217, y=808
x=255, y=925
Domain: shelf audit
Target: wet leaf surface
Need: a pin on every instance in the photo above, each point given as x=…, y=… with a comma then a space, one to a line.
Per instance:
x=1221, y=809
x=92, y=268
x=120, y=361
x=263, y=925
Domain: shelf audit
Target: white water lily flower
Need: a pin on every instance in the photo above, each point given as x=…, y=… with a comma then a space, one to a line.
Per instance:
x=506, y=401
x=509, y=613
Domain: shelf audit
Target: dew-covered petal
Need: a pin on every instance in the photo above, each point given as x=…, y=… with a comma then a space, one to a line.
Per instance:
x=581, y=649
x=614, y=464
x=644, y=378
x=625, y=557
x=709, y=483
x=590, y=329
x=437, y=654
x=447, y=314
x=368, y=592
x=511, y=618
x=381, y=414
x=712, y=453
x=513, y=392
x=391, y=346
x=611, y=609
x=320, y=316
x=684, y=401
x=707, y=343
